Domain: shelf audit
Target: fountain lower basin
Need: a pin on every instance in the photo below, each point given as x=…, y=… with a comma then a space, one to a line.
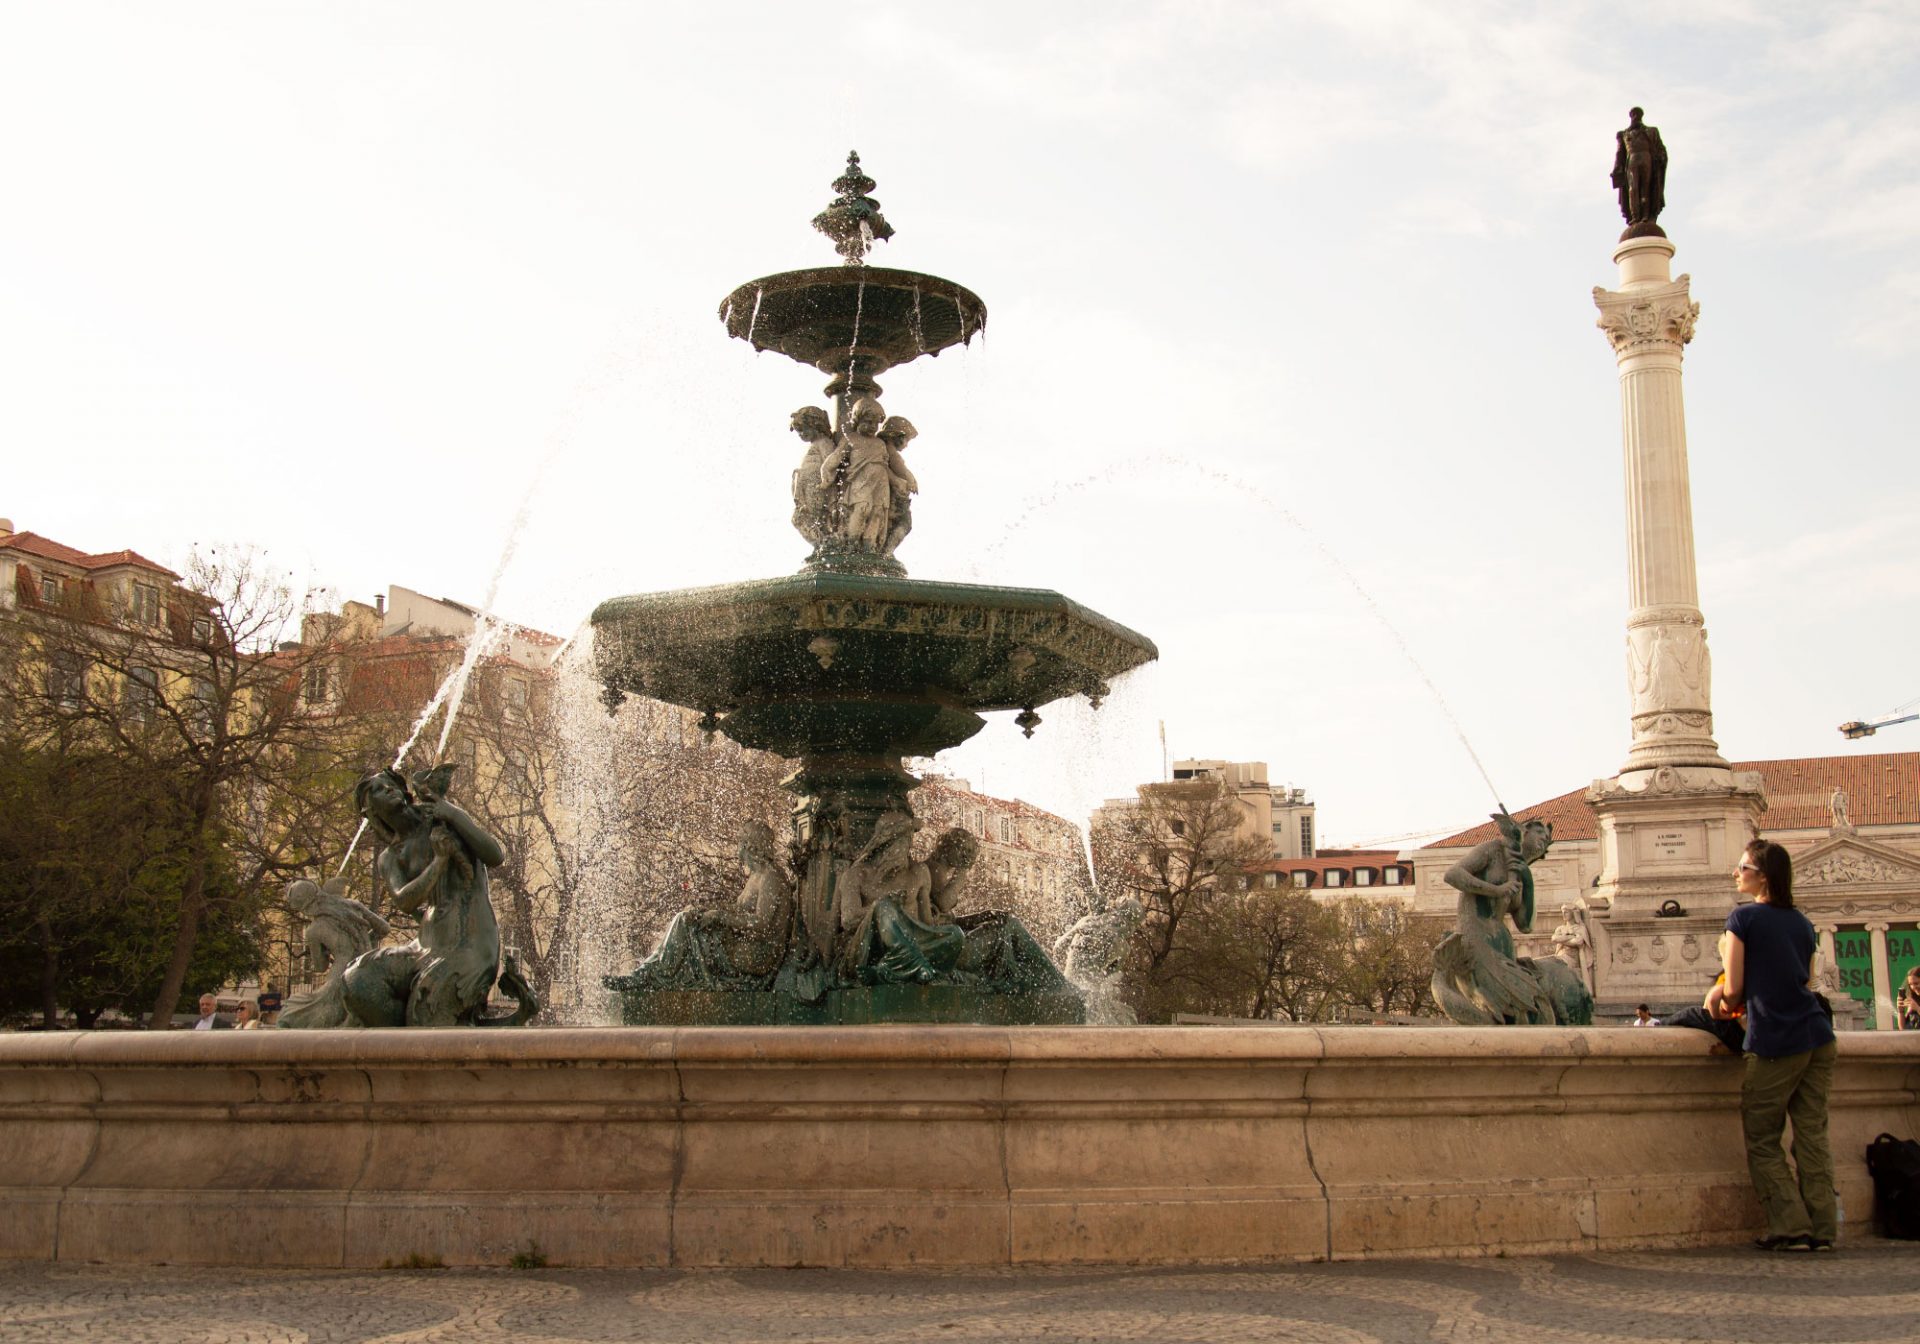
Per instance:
x=901, y=1145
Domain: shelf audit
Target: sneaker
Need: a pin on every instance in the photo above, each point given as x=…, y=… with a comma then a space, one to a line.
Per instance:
x=1819, y=1244
x=1782, y=1243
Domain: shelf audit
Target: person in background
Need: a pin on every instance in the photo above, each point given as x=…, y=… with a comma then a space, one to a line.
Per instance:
x=1906, y=1005
x=1643, y=1017
x=1790, y=1052
x=246, y=1017
x=210, y=1018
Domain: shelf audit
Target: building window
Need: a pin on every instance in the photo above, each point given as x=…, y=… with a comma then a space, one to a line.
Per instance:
x=200, y=703
x=1270, y=880
x=1306, y=836
x=143, y=693
x=1336, y=878
x=67, y=679
x=146, y=604
x=1298, y=878
x=1177, y=826
x=202, y=630
x=49, y=590
x=1363, y=877
x=516, y=697
x=1006, y=830
x=315, y=685
x=1393, y=877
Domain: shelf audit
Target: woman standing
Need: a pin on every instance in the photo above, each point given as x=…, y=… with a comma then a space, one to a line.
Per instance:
x=1789, y=1052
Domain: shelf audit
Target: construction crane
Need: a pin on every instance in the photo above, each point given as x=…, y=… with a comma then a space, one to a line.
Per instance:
x=1856, y=728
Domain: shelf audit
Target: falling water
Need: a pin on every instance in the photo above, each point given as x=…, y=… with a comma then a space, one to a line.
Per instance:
x=1187, y=467
x=615, y=365
x=440, y=695
x=754, y=320
x=919, y=331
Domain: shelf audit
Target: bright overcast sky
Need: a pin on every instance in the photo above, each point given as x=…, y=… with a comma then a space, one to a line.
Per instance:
x=361, y=283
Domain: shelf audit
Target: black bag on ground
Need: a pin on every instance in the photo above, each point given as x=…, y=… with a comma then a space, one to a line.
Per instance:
x=1894, y=1165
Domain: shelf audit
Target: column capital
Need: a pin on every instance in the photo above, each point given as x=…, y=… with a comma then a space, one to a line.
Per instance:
x=1825, y=929
x=1647, y=319
x=1878, y=926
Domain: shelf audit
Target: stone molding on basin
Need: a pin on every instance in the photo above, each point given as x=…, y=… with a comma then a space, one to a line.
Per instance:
x=890, y=1145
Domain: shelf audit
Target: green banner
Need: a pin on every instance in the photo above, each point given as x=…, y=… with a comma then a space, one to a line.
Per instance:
x=1853, y=960
x=1853, y=965
x=1903, y=954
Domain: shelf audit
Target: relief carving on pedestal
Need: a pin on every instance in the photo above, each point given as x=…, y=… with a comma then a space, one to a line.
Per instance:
x=1627, y=951
x=1690, y=949
x=1668, y=668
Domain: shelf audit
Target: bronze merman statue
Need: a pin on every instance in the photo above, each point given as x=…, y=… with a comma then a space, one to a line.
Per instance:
x=1477, y=979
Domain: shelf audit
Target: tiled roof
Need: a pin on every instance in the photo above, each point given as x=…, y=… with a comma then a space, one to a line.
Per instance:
x=1882, y=790
x=32, y=543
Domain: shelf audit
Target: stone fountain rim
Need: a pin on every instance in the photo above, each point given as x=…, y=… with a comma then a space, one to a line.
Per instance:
x=739, y=299
x=868, y=588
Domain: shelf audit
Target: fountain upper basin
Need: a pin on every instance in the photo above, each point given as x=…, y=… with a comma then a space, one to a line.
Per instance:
x=870, y=316
x=837, y=662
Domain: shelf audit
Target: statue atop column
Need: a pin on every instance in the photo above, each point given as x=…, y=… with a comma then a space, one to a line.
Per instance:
x=1640, y=176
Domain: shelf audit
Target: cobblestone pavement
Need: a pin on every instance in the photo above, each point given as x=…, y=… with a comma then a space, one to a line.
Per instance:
x=1869, y=1291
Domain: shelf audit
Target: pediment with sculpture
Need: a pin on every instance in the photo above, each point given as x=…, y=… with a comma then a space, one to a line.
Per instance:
x=1847, y=861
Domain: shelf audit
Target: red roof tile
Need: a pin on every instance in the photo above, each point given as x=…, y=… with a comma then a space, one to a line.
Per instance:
x=32, y=543
x=1882, y=790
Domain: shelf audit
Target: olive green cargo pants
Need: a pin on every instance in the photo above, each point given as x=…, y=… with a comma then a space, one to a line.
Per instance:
x=1773, y=1091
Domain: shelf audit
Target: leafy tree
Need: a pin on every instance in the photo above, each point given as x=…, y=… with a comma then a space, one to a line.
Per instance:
x=1389, y=956
x=197, y=705
x=90, y=884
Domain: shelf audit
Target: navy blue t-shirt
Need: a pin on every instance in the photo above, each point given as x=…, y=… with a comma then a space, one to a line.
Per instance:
x=1783, y=1017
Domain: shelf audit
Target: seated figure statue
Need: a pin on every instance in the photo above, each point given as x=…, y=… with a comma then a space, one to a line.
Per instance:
x=1477, y=979
x=879, y=898
x=729, y=947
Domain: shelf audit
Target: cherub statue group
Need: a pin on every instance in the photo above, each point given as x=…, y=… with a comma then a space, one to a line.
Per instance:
x=854, y=488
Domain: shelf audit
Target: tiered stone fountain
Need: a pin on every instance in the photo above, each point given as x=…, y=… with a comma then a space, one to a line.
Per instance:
x=847, y=667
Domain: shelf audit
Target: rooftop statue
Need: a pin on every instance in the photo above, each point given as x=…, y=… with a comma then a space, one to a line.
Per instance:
x=1477, y=979
x=1640, y=176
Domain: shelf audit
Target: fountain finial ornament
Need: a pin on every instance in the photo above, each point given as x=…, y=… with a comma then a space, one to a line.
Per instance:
x=853, y=220
x=1640, y=176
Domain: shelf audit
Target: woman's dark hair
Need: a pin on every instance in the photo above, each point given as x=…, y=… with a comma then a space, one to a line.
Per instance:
x=1776, y=866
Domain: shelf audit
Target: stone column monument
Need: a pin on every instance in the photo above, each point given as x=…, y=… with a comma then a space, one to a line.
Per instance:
x=1674, y=818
